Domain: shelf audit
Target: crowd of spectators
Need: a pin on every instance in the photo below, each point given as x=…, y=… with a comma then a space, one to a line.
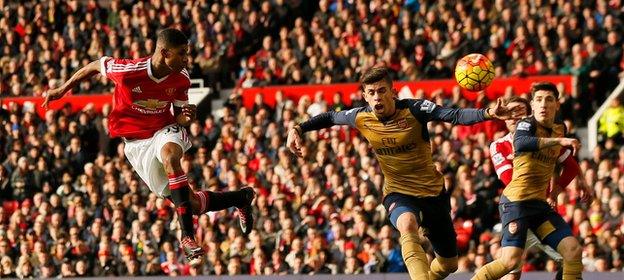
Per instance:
x=72, y=206
x=42, y=42
x=425, y=40
x=254, y=43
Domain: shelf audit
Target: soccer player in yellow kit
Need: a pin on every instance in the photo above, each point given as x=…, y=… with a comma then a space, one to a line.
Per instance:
x=537, y=143
x=413, y=190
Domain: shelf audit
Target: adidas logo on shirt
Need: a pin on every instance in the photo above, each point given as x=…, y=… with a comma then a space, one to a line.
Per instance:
x=136, y=89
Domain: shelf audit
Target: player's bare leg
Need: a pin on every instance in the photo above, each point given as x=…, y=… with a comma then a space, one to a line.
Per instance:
x=571, y=250
x=533, y=241
x=441, y=267
x=413, y=253
x=181, y=196
x=516, y=273
x=510, y=258
x=206, y=201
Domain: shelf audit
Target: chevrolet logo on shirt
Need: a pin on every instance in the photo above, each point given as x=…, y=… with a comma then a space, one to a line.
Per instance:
x=152, y=103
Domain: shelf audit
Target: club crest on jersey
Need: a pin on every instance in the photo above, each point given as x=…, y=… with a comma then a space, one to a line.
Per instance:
x=402, y=123
x=513, y=227
x=170, y=91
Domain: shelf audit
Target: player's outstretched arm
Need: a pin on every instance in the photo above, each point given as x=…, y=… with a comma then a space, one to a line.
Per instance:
x=82, y=73
x=572, y=170
x=526, y=141
x=586, y=191
x=565, y=142
x=562, y=178
x=324, y=120
x=470, y=115
x=528, y=144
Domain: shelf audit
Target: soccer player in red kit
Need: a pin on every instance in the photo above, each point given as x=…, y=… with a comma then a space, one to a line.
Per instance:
x=155, y=139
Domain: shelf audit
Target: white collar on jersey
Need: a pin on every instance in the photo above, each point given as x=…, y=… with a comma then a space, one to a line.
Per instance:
x=149, y=72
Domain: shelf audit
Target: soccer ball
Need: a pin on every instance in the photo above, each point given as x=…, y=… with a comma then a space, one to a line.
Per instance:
x=474, y=72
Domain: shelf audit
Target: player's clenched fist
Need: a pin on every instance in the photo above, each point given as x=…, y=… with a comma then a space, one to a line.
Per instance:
x=585, y=191
x=187, y=115
x=572, y=143
x=293, y=142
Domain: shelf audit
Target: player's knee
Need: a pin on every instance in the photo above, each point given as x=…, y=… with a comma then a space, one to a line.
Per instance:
x=512, y=276
x=572, y=251
x=408, y=229
x=407, y=223
x=510, y=262
x=171, y=155
x=169, y=162
x=449, y=265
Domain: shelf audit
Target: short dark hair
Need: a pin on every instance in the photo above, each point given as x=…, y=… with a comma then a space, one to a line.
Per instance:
x=172, y=38
x=547, y=86
x=376, y=74
x=519, y=99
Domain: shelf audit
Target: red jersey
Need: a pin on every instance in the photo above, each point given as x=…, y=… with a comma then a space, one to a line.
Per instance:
x=141, y=102
x=502, y=155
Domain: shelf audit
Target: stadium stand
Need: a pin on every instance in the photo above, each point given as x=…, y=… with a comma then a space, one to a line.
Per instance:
x=71, y=205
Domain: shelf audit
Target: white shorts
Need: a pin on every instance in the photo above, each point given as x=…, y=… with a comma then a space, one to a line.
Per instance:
x=533, y=241
x=144, y=156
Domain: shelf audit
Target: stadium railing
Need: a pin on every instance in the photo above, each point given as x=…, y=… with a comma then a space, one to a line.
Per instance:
x=592, y=125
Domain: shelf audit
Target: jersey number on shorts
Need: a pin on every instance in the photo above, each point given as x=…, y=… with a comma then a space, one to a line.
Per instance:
x=174, y=129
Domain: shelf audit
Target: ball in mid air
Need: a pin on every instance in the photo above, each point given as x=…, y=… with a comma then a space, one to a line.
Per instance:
x=474, y=72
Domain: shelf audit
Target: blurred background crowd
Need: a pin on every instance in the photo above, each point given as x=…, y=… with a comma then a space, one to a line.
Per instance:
x=250, y=43
x=72, y=206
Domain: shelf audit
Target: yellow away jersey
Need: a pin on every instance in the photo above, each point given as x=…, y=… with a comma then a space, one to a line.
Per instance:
x=533, y=167
x=401, y=142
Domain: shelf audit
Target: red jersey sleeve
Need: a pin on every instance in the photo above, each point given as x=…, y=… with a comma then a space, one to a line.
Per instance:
x=114, y=68
x=502, y=161
x=570, y=168
x=564, y=154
